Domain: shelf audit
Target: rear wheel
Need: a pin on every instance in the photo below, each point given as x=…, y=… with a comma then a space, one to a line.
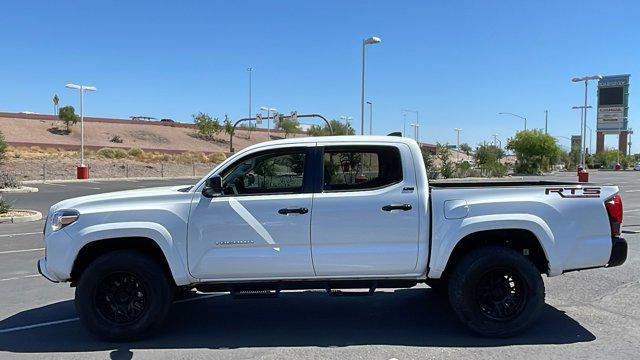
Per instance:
x=123, y=295
x=496, y=291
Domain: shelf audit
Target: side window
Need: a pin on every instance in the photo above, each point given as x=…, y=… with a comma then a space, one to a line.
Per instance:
x=361, y=167
x=265, y=174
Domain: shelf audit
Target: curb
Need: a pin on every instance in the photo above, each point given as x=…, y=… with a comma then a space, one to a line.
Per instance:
x=110, y=179
x=35, y=216
x=20, y=190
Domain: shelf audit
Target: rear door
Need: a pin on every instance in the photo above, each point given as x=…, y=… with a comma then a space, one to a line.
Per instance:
x=365, y=217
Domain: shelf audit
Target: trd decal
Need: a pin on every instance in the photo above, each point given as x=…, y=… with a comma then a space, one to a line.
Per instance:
x=587, y=192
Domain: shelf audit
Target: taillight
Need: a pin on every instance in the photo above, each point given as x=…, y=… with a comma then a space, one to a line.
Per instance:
x=614, y=209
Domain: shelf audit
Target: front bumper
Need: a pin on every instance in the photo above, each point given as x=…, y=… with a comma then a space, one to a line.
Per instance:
x=42, y=269
x=619, y=250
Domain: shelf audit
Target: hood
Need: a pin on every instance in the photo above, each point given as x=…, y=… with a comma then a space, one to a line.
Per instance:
x=111, y=198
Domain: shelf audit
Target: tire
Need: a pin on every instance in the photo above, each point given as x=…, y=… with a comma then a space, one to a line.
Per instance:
x=438, y=287
x=129, y=281
x=496, y=291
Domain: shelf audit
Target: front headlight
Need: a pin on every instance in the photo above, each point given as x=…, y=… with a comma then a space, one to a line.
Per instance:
x=62, y=218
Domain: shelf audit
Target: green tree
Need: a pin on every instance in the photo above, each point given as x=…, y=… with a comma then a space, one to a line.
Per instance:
x=207, y=127
x=488, y=159
x=427, y=158
x=67, y=114
x=466, y=148
x=443, y=154
x=288, y=125
x=338, y=128
x=3, y=147
x=535, y=151
x=228, y=126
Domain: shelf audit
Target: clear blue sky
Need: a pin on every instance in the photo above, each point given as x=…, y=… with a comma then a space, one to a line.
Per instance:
x=458, y=63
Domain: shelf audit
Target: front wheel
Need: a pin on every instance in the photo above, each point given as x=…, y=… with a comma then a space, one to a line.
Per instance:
x=123, y=295
x=496, y=291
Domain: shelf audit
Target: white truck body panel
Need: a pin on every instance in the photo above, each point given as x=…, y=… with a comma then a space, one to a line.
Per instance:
x=344, y=235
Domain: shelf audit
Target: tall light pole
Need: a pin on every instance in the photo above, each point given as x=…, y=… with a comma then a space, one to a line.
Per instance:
x=583, y=133
x=518, y=116
x=250, y=71
x=370, y=117
x=404, y=124
x=584, y=110
x=268, y=110
x=590, y=137
x=82, y=89
x=365, y=42
x=457, y=130
x=417, y=120
x=346, y=118
x=496, y=141
x=546, y=121
x=416, y=130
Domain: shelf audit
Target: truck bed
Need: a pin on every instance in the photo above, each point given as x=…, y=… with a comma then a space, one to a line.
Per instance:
x=499, y=183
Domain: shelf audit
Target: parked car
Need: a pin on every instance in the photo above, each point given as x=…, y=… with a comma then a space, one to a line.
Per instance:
x=637, y=167
x=328, y=213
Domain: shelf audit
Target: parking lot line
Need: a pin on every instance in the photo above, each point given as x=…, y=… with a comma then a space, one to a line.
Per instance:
x=20, y=251
x=20, y=277
x=27, y=327
x=21, y=234
x=63, y=321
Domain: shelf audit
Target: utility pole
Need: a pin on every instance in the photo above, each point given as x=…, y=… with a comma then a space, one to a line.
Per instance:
x=546, y=116
x=370, y=117
x=457, y=130
x=250, y=70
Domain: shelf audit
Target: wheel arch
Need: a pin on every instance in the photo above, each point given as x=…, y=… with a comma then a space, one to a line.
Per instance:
x=145, y=245
x=522, y=240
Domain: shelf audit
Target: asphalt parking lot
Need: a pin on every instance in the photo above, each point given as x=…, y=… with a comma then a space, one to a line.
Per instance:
x=589, y=314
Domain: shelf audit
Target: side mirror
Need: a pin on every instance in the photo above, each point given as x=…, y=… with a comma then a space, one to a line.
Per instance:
x=212, y=186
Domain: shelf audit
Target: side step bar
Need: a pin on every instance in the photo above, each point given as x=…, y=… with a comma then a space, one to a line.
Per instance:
x=332, y=287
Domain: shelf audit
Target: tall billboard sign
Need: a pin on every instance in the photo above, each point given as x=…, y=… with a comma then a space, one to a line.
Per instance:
x=613, y=104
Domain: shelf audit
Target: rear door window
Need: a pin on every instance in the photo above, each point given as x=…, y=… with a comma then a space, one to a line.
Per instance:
x=355, y=168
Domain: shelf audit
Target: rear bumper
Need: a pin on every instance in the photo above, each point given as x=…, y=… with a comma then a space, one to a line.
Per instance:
x=619, y=250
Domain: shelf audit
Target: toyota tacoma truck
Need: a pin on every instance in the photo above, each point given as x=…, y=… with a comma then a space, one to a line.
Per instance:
x=330, y=213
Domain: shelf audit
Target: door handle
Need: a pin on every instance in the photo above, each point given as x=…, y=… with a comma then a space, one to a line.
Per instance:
x=287, y=211
x=403, y=207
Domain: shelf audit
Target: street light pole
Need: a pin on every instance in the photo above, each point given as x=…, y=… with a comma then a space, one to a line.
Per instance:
x=457, y=130
x=584, y=118
x=546, y=122
x=250, y=70
x=268, y=110
x=370, y=117
x=518, y=116
x=346, y=119
x=404, y=124
x=415, y=129
x=583, y=132
x=82, y=89
x=365, y=42
x=417, y=121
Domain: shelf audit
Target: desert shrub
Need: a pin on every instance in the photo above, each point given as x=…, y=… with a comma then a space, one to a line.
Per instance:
x=5, y=206
x=116, y=139
x=136, y=152
x=8, y=180
x=106, y=153
x=217, y=157
x=3, y=146
x=120, y=153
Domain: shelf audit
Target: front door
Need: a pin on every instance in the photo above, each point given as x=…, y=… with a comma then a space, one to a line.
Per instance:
x=260, y=227
x=366, y=218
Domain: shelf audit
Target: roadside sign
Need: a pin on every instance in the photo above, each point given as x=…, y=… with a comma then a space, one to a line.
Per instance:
x=276, y=118
x=258, y=118
x=55, y=99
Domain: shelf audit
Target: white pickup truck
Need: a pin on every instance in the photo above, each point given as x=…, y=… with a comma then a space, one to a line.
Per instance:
x=328, y=213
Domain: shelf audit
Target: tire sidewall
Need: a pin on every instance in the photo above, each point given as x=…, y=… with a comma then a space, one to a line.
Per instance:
x=148, y=273
x=469, y=273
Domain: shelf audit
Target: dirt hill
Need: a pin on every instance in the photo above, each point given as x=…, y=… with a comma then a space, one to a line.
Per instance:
x=44, y=131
